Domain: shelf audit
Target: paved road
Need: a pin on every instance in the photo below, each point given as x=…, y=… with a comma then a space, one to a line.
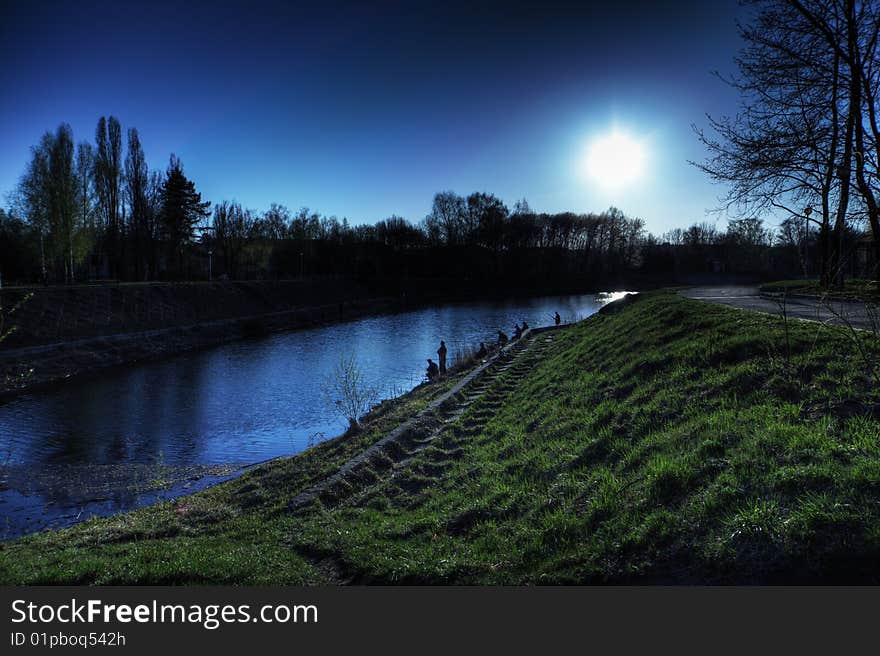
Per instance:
x=828, y=311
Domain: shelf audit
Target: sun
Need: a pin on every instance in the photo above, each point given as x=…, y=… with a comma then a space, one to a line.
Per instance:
x=615, y=160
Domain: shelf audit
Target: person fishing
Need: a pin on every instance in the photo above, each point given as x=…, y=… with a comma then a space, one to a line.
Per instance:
x=433, y=370
x=441, y=353
x=525, y=326
x=517, y=331
x=502, y=338
x=557, y=318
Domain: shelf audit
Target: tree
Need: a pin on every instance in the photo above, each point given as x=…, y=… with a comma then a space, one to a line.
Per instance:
x=398, y=233
x=790, y=147
x=749, y=232
x=347, y=391
x=232, y=228
x=448, y=215
x=182, y=210
x=275, y=222
x=85, y=192
x=20, y=258
x=108, y=183
x=137, y=179
x=63, y=193
x=796, y=236
x=155, y=185
x=851, y=30
x=31, y=199
x=47, y=196
x=486, y=217
x=304, y=225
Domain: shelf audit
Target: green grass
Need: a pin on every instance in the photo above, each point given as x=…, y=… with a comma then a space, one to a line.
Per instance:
x=853, y=288
x=664, y=440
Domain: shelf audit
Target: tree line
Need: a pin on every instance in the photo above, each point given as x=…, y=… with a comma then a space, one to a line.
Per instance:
x=89, y=211
x=95, y=211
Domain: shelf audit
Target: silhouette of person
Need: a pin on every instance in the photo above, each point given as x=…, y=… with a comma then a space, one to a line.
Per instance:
x=502, y=338
x=441, y=353
x=525, y=326
x=557, y=319
x=433, y=370
x=517, y=331
x=481, y=353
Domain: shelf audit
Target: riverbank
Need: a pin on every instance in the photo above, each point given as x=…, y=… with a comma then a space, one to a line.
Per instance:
x=33, y=367
x=62, y=332
x=663, y=440
x=65, y=332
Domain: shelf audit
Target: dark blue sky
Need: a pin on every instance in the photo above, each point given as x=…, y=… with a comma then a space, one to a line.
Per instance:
x=366, y=109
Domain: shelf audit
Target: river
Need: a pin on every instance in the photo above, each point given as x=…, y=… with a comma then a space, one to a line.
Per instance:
x=93, y=446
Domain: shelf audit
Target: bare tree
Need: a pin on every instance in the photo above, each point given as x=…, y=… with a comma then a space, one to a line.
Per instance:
x=233, y=226
x=448, y=214
x=347, y=391
x=275, y=222
x=790, y=147
x=851, y=29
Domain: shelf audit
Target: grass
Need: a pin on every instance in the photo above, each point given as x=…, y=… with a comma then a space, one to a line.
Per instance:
x=860, y=289
x=664, y=440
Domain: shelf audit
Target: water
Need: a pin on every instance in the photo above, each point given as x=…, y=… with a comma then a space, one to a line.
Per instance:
x=239, y=403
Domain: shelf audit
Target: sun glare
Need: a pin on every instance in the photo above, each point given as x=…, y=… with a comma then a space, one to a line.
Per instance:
x=615, y=160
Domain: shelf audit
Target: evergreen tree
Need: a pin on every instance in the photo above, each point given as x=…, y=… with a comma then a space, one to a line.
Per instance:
x=182, y=210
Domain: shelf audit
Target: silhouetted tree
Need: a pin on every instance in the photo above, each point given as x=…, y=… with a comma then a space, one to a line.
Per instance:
x=47, y=196
x=63, y=188
x=108, y=185
x=486, y=217
x=233, y=226
x=275, y=222
x=137, y=177
x=808, y=77
x=182, y=210
x=20, y=253
x=85, y=168
x=850, y=29
x=448, y=215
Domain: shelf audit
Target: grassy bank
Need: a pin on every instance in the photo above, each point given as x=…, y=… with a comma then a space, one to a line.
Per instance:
x=663, y=440
x=858, y=289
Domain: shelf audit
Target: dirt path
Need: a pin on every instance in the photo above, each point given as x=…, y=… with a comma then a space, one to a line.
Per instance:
x=796, y=306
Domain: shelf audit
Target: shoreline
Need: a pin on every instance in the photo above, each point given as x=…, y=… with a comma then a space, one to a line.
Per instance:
x=55, y=364
x=102, y=487
x=652, y=443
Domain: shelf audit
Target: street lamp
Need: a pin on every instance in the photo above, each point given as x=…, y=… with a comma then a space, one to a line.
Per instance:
x=807, y=211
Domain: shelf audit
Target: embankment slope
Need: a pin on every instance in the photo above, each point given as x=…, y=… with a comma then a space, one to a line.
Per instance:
x=664, y=440
x=65, y=331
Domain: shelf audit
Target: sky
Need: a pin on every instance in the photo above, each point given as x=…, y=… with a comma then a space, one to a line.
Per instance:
x=364, y=110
